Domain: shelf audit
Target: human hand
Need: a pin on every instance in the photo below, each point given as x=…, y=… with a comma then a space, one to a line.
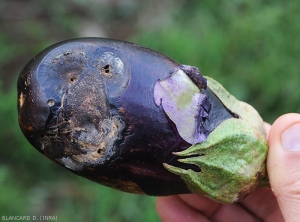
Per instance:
x=283, y=164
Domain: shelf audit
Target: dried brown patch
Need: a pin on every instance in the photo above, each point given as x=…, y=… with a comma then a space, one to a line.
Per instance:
x=21, y=99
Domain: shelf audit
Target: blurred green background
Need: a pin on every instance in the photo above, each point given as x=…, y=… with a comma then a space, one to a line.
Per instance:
x=251, y=47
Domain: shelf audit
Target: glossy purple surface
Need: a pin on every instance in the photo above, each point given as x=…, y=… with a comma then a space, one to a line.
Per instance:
x=74, y=91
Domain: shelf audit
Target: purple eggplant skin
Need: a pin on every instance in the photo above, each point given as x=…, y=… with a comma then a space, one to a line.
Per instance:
x=87, y=104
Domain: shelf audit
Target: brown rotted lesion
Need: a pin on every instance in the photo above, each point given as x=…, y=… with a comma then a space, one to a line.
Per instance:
x=98, y=143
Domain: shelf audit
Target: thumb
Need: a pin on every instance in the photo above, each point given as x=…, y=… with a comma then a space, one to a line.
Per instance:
x=283, y=164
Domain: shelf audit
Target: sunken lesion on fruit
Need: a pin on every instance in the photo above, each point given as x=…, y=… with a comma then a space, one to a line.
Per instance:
x=81, y=131
x=107, y=70
x=77, y=147
x=88, y=144
x=97, y=143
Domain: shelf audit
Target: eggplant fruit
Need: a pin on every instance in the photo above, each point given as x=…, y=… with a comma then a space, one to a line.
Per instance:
x=133, y=119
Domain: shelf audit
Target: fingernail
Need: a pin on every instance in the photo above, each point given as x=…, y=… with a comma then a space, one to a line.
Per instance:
x=290, y=138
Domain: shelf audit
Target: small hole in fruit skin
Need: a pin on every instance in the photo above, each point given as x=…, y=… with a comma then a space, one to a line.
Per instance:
x=51, y=102
x=106, y=70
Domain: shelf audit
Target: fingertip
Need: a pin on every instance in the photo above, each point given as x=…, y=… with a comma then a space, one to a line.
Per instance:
x=283, y=163
x=281, y=124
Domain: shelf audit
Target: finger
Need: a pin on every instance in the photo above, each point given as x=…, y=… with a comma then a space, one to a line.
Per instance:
x=263, y=204
x=201, y=203
x=216, y=211
x=283, y=164
x=233, y=213
x=173, y=209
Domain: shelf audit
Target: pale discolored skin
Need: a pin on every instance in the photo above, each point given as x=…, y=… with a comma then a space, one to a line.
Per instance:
x=235, y=151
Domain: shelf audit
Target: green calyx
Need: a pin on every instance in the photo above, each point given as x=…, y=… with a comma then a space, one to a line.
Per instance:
x=232, y=159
